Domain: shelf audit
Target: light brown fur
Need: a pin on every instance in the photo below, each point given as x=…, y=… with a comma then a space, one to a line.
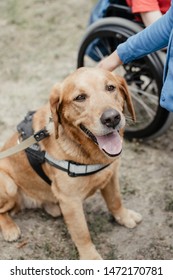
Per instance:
x=21, y=187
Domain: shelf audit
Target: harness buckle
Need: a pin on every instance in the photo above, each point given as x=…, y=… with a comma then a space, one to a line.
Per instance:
x=71, y=173
x=41, y=134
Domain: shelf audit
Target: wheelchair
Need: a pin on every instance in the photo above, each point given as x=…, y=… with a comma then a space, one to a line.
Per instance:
x=143, y=76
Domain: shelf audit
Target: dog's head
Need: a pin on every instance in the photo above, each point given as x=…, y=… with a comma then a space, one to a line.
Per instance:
x=89, y=105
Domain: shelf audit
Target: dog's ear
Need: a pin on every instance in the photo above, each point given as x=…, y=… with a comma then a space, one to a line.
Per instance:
x=54, y=106
x=124, y=90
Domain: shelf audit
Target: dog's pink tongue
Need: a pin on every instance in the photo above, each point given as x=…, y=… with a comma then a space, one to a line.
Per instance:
x=110, y=143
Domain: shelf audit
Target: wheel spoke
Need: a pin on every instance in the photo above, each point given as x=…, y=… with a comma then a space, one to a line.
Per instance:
x=149, y=95
x=150, y=112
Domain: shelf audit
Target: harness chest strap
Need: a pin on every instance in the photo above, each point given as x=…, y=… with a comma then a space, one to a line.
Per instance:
x=74, y=169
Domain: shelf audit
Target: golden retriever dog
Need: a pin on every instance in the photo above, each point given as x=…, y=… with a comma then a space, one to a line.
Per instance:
x=84, y=121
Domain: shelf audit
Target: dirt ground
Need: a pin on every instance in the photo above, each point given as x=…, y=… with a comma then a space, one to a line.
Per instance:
x=39, y=40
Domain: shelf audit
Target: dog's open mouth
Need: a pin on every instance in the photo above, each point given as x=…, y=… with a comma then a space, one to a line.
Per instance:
x=110, y=143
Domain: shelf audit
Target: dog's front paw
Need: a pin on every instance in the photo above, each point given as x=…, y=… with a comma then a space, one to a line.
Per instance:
x=11, y=233
x=95, y=256
x=89, y=253
x=128, y=218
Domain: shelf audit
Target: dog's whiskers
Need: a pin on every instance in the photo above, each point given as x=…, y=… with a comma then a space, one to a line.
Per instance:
x=130, y=121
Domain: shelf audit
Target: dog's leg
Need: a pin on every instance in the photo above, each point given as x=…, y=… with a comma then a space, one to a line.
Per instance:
x=73, y=213
x=10, y=230
x=8, y=202
x=123, y=216
x=52, y=209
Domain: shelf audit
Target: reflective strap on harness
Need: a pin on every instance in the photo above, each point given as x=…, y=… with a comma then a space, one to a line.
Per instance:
x=74, y=169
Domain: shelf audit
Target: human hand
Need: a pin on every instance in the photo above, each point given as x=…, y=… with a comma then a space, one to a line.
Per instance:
x=111, y=62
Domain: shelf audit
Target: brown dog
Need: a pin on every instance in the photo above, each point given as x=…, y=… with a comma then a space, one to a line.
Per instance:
x=85, y=122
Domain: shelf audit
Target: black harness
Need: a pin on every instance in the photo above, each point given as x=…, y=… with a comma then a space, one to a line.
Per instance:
x=37, y=157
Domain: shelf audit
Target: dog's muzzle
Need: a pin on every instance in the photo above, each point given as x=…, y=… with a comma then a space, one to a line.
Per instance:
x=110, y=143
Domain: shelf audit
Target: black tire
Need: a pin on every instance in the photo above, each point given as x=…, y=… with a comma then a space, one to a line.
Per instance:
x=144, y=76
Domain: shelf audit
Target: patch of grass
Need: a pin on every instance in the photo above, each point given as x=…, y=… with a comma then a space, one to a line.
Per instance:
x=99, y=223
x=48, y=249
x=15, y=12
x=169, y=205
x=111, y=252
x=126, y=189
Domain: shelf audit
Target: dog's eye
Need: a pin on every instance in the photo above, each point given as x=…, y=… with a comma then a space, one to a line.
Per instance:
x=80, y=98
x=110, y=88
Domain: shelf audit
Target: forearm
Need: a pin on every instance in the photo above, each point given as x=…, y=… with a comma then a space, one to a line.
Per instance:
x=150, y=17
x=152, y=38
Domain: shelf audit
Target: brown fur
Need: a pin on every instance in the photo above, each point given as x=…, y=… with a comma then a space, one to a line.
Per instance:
x=21, y=187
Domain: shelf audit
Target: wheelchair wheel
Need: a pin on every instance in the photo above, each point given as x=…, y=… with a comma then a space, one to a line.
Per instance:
x=144, y=76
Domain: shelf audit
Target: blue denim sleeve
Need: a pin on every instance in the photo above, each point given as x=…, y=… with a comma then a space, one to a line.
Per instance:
x=152, y=38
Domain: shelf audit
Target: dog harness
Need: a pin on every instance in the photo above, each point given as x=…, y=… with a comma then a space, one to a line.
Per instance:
x=37, y=157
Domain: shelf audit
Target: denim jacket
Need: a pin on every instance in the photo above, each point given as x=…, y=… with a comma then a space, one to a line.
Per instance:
x=155, y=37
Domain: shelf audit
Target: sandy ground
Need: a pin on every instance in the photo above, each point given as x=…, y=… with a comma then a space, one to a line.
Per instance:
x=39, y=40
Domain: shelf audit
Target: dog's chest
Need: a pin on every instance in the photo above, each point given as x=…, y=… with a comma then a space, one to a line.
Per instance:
x=82, y=186
x=99, y=180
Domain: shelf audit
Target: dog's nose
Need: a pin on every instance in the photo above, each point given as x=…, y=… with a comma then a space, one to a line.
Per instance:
x=110, y=118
